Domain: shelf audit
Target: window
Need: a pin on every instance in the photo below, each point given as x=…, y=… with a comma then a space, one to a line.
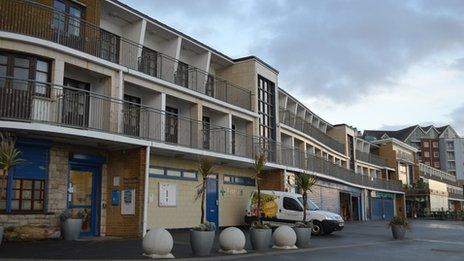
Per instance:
x=292, y=204
x=427, y=163
x=24, y=68
x=109, y=47
x=436, y=164
x=67, y=18
x=426, y=154
x=266, y=104
x=426, y=144
x=131, y=115
x=148, y=62
x=157, y=172
x=237, y=180
x=435, y=144
x=28, y=195
x=435, y=154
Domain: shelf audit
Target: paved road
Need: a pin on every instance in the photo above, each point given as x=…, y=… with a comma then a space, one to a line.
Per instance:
x=428, y=240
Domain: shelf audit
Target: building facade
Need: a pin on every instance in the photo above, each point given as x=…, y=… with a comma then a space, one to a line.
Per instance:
x=111, y=111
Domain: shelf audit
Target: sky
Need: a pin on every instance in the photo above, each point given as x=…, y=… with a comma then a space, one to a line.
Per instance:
x=370, y=64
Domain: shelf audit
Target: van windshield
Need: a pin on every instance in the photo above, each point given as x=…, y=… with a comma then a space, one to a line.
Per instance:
x=311, y=206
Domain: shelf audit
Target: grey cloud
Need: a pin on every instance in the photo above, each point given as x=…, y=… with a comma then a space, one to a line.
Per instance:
x=340, y=50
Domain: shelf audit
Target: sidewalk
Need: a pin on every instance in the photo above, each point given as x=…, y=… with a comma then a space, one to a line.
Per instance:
x=103, y=248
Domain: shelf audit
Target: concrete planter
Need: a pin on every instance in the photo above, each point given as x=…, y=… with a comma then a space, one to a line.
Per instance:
x=1, y=234
x=158, y=243
x=303, y=236
x=284, y=238
x=232, y=241
x=201, y=242
x=398, y=231
x=71, y=228
x=260, y=238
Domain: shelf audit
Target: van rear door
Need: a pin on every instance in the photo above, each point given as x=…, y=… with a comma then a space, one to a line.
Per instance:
x=290, y=210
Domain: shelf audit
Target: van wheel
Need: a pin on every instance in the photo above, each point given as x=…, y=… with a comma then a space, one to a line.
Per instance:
x=317, y=228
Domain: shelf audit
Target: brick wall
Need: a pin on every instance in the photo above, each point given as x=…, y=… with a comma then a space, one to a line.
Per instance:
x=129, y=166
x=273, y=180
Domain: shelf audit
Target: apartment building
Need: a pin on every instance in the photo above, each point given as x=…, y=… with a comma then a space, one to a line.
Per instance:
x=438, y=147
x=112, y=109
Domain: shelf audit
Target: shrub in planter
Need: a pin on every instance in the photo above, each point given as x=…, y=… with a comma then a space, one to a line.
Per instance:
x=284, y=238
x=202, y=238
x=71, y=224
x=158, y=243
x=303, y=233
x=232, y=241
x=260, y=236
x=398, y=226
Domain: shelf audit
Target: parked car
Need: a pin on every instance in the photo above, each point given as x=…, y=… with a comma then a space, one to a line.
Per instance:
x=278, y=208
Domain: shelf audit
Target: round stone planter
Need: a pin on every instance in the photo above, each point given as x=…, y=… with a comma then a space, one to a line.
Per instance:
x=232, y=241
x=260, y=238
x=284, y=238
x=201, y=242
x=158, y=243
x=303, y=236
x=398, y=231
x=71, y=228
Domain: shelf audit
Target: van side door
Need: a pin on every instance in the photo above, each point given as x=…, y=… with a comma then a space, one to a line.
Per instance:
x=291, y=209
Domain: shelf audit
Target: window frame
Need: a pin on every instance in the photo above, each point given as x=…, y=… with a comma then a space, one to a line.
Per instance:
x=300, y=209
x=166, y=176
x=32, y=199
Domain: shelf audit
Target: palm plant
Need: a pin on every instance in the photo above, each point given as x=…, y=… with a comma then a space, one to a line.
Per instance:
x=258, y=167
x=305, y=183
x=9, y=157
x=205, y=167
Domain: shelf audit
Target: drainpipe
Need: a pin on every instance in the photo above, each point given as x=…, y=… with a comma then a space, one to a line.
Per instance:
x=145, y=194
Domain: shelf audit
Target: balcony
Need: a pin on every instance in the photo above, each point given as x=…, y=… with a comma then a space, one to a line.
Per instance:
x=32, y=101
x=371, y=158
x=290, y=119
x=36, y=20
x=456, y=195
x=404, y=156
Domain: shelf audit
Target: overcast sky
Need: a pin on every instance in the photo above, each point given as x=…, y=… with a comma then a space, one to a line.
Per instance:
x=371, y=64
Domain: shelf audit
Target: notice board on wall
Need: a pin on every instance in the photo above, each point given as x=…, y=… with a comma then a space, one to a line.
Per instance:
x=128, y=202
x=167, y=195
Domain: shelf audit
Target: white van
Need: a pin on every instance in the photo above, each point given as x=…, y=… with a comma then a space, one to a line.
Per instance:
x=278, y=207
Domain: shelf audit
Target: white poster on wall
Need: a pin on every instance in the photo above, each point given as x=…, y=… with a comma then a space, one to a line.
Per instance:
x=128, y=202
x=167, y=195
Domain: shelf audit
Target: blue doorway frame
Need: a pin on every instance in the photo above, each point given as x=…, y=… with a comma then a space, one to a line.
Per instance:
x=212, y=201
x=95, y=197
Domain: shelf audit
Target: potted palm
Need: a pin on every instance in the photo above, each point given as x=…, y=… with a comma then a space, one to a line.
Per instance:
x=303, y=229
x=260, y=234
x=9, y=157
x=202, y=236
x=398, y=226
x=71, y=224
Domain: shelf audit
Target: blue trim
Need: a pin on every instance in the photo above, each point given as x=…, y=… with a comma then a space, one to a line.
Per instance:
x=96, y=196
x=87, y=159
x=247, y=181
x=34, y=142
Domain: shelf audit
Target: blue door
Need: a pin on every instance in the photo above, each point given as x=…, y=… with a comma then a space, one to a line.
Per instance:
x=212, y=201
x=84, y=196
x=389, y=209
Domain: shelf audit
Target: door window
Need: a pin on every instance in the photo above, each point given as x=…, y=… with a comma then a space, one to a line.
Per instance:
x=171, y=125
x=182, y=75
x=149, y=62
x=206, y=132
x=76, y=103
x=132, y=115
x=292, y=204
x=67, y=18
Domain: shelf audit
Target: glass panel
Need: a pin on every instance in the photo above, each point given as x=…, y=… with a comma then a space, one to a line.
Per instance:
x=27, y=194
x=38, y=205
x=38, y=184
x=21, y=73
x=15, y=204
x=2, y=74
x=27, y=184
x=174, y=173
x=3, y=59
x=37, y=194
x=74, y=22
x=42, y=66
x=26, y=205
x=81, y=183
x=156, y=171
x=21, y=62
x=190, y=175
x=87, y=218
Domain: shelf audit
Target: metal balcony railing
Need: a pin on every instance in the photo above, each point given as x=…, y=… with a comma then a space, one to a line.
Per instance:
x=40, y=21
x=433, y=173
x=33, y=101
x=456, y=195
x=298, y=123
x=371, y=158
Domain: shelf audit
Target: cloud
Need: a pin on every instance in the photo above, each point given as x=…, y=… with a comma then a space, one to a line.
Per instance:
x=457, y=117
x=339, y=50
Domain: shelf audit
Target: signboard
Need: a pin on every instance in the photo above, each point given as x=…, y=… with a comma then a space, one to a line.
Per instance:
x=167, y=195
x=128, y=202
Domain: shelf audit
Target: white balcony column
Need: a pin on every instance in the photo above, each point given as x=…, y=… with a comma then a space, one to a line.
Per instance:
x=229, y=134
x=120, y=96
x=58, y=72
x=54, y=112
x=162, y=103
x=177, y=45
x=141, y=40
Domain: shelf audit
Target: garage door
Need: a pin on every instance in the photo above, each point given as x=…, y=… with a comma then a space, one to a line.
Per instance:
x=382, y=209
